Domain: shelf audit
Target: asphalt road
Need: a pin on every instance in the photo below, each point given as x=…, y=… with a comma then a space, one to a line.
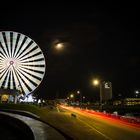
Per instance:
x=100, y=127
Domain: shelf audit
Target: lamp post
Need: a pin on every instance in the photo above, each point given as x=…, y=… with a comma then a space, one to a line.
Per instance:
x=81, y=100
x=96, y=82
x=84, y=99
x=136, y=93
x=72, y=98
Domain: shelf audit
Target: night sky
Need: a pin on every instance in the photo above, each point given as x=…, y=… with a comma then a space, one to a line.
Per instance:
x=101, y=41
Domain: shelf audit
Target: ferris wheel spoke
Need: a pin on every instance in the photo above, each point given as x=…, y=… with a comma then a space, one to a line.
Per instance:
x=1, y=59
x=37, y=58
x=33, y=75
x=32, y=53
x=4, y=71
x=34, y=63
x=23, y=84
x=33, y=60
x=2, y=68
x=20, y=41
x=3, y=80
x=33, y=70
x=7, y=80
x=29, y=48
x=3, y=45
x=8, y=42
x=2, y=54
x=15, y=79
x=14, y=40
x=3, y=76
x=24, y=47
x=11, y=81
x=4, y=51
x=29, y=79
x=25, y=90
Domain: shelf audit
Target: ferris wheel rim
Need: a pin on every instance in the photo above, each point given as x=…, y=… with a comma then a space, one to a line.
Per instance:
x=27, y=68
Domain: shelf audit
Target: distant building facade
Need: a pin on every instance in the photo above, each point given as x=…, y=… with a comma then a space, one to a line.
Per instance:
x=127, y=101
x=8, y=95
x=105, y=91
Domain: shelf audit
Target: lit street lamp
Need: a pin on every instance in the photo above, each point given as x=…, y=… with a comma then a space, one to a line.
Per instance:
x=78, y=92
x=137, y=93
x=96, y=82
x=84, y=99
x=71, y=96
x=105, y=90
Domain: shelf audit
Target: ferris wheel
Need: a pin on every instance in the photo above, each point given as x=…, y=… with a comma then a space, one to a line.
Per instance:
x=22, y=63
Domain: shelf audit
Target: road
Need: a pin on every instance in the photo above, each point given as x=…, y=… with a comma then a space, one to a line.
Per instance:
x=100, y=127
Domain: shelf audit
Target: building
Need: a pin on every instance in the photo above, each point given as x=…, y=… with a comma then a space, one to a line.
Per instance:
x=127, y=101
x=131, y=101
x=8, y=95
x=105, y=91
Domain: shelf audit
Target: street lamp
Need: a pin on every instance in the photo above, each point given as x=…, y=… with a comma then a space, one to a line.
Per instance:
x=72, y=96
x=84, y=99
x=96, y=82
x=105, y=90
x=137, y=93
x=78, y=92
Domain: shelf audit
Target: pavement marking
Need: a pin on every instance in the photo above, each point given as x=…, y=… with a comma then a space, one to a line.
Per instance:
x=95, y=129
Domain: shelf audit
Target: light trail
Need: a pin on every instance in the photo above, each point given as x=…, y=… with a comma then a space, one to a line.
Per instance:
x=109, y=118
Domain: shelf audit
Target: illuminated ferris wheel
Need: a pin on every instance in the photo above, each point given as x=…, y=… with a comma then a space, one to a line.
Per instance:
x=22, y=63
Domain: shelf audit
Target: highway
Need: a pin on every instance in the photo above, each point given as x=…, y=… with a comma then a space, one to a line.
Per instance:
x=100, y=127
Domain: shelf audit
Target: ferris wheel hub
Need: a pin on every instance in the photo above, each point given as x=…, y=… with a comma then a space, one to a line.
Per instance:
x=11, y=62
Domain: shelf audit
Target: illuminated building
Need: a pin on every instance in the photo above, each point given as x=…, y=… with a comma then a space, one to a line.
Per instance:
x=8, y=95
x=105, y=91
x=131, y=101
x=127, y=102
